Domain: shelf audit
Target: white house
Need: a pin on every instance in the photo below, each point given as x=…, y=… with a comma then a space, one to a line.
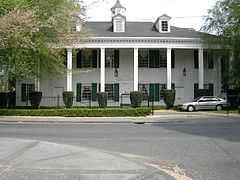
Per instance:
x=127, y=56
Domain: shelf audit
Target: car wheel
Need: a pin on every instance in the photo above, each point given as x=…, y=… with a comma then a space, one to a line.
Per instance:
x=219, y=107
x=191, y=108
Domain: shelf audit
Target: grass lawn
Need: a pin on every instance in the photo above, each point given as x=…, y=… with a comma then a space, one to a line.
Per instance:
x=235, y=111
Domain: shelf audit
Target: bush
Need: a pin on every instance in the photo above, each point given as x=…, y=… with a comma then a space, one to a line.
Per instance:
x=169, y=97
x=136, y=98
x=35, y=98
x=68, y=98
x=102, y=99
x=11, y=99
x=3, y=100
x=76, y=112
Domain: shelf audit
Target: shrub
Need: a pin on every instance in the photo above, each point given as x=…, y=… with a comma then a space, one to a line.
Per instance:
x=3, y=100
x=68, y=98
x=76, y=112
x=11, y=99
x=169, y=97
x=35, y=98
x=102, y=99
x=136, y=98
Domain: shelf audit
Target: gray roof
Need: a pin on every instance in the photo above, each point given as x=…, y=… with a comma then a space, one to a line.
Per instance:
x=118, y=5
x=138, y=29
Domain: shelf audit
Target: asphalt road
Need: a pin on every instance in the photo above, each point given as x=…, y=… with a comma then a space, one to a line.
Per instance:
x=209, y=150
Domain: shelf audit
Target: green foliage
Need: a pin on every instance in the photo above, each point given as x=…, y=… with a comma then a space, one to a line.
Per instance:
x=11, y=99
x=68, y=98
x=30, y=31
x=3, y=100
x=35, y=98
x=169, y=97
x=76, y=112
x=223, y=20
x=136, y=98
x=102, y=99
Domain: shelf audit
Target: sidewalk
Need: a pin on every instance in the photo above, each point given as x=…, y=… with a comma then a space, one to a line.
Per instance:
x=38, y=160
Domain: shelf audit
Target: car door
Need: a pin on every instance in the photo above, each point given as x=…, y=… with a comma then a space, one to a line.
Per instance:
x=202, y=104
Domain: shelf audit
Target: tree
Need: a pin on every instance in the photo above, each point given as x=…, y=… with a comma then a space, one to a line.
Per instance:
x=32, y=32
x=222, y=27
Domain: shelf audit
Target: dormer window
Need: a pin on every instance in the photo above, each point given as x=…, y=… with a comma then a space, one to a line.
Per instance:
x=165, y=26
x=162, y=24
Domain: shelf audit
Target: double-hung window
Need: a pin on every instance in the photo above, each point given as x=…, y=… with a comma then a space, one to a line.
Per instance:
x=119, y=26
x=162, y=87
x=109, y=60
x=143, y=58
x=165, y=26
x=86, y=92
x=163, y=59
x=109, y=88
x=87, y=59
x=144, y=89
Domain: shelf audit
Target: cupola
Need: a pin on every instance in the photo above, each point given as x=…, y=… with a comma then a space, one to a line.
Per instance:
x=163, y=23
x=118, y=18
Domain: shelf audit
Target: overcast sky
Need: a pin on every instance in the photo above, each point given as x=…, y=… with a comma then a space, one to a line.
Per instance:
x=184, y=13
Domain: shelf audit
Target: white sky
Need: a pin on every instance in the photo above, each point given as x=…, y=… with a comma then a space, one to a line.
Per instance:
x=184, y=13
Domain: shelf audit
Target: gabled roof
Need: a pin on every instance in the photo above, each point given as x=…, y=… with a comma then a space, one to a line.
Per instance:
x=164, y=16
x=117, y=5
x=138, y=29
x=119, y=15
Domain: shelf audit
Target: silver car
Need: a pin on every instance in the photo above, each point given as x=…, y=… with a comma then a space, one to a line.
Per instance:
x=204, y=102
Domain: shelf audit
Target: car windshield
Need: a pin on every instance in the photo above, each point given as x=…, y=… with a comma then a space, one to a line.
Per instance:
x=196, y=99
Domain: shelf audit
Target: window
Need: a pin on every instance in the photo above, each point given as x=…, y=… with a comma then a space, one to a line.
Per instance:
x=119, y=26
x=144, y=89
x=109, y=60
x=25, y=90
x=164, y=26
x=143, y=58
x=110, y=90
x=163, y=59
x=162, y=87
x=208, y=58
x=86, y=92
x=87, y=59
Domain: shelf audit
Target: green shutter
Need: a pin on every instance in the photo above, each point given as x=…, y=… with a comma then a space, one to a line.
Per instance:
x=173, y=86
x=24, y=92
x=116, y=58
x=156, y=92
x=99, y=87
x=196, y=59
x=154, y=59
x=151, y=92
x=79, y=59
x=99, y=58
x=79, y=92
x=195, y=90
x=211, y=89
x=173, y=58
x=65, y=58
x=116, y=92
x=94, y=91
x=94, y=58
x=151, y=59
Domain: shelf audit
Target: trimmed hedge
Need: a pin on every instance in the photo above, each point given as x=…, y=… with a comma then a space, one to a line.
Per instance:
x=35, y=98
x=169, y=97
x=102, y=99
x=136, y=98
x=68, y=98
x=76, y=112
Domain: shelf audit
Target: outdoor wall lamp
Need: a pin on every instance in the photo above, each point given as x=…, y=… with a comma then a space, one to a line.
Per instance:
x=116, y=73
x=184, y=72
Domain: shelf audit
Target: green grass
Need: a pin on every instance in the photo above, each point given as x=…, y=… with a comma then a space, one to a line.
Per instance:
x=235, y=111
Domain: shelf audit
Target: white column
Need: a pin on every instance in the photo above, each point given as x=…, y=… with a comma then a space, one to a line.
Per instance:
x=69, y=69
x=5, y=81
x=200, y=69
x=102, y=71
x=169, y=68
x=135, y=70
